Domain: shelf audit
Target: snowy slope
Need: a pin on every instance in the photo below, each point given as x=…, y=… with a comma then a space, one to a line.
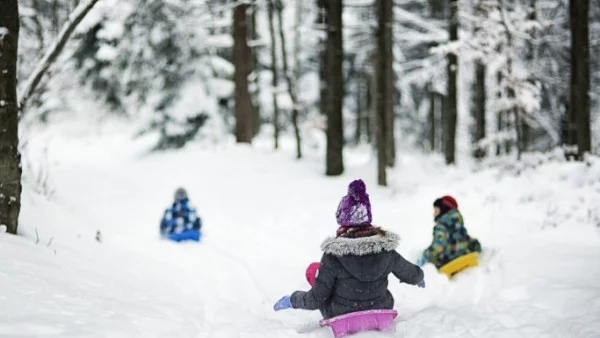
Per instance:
x=264, y=218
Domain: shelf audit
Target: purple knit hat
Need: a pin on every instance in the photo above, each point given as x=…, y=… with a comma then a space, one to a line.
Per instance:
x=355, y=208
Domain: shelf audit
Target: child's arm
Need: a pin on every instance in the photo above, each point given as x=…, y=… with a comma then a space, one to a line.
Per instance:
x=405, y=271
x=438, y=244
x=321, y=291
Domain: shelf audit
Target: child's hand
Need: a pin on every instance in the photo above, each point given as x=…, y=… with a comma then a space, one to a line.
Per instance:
x=421, y=284
x=283, y=303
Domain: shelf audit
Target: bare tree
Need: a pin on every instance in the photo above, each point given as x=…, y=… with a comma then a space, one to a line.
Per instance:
x=478, y=107
x=10, y=159
x=335, y=89
x=432, y=117
x=386, y=25
x=384, y=89
x=451, y=104
x=256, y=121
x=274, y=72
x=290, y=83
x=242, y=58
x=580, y=74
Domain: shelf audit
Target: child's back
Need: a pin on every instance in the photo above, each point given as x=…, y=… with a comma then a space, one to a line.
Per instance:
x=354, y=269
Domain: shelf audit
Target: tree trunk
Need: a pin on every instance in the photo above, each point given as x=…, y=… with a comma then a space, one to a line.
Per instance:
x=386, y=25
x=432, y=108
x=297, y=39
x=580, y=74
x=335, y=92
x=479, y=109
x=55, y=17
x=242, y=58
x=39, y=28
x=369, y=108
x=359, y=110
x=275, y=73
x=10, y=159
x=531, y=58
x=438, y=9
x=451, y=106
x=256, y=121
x=290, y=84
x=383, y=100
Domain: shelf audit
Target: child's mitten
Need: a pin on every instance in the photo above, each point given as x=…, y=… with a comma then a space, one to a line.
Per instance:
x=283, y=303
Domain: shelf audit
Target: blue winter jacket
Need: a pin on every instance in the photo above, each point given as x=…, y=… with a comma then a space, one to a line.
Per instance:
x=180, y=217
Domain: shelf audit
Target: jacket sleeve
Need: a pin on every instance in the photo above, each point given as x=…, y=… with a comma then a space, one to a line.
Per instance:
x=439, y=242
x=322, y=289
x=165, y=222
x=405, y=271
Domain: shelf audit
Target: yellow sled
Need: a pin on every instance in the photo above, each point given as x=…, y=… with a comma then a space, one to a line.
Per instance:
x=459, y=264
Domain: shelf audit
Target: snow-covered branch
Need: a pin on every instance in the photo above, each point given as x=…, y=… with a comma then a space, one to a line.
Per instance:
x=54, y=51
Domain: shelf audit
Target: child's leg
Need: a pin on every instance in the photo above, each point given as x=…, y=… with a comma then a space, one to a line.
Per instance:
x=311, y=272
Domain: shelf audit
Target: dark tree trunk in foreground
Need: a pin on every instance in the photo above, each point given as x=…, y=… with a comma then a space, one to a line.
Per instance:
x=335, y=89
x=242, y=58
x=10, y=159
x=580, y=74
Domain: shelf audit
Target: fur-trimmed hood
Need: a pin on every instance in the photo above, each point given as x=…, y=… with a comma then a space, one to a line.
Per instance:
x=341, y=246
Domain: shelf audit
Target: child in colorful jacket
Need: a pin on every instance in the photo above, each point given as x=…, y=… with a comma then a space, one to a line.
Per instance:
x=450, y=237
x=180, y=216
x=353, y=272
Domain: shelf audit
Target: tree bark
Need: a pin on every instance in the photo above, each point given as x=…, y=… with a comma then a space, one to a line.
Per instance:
x=10, y=159
x=580, y=74
x=432, y=124
x=359, y=110
x=383, y=100
x=256, y=121
x=335, y=92
x=369, y=95
x=275, y=73
x=531, y=59
x=479, y=109
x=54, y=51
x=242, y=58
x=290, y=84
x=451, y=106
x=386, y=22
x=438, y=9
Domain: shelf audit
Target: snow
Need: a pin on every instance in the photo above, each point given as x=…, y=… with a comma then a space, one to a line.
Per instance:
x=264, y=217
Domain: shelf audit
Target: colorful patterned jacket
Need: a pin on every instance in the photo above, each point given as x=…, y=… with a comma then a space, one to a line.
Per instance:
x=450, y=240
x=179, y=218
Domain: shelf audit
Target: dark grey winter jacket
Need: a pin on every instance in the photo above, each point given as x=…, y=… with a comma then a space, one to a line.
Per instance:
x=353, y=275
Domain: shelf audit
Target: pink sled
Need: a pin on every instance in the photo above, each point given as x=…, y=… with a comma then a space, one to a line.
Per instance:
x=369, y=320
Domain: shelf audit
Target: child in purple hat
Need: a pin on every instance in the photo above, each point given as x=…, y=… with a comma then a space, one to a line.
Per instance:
x=353, y=272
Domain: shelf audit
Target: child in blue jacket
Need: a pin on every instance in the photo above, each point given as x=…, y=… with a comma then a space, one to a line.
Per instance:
x=181, y=217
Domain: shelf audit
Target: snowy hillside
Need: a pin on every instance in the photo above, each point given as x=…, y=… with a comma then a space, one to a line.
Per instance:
x=264, y=219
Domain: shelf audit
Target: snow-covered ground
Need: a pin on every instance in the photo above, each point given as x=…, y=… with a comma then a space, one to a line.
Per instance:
x=265, y=215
